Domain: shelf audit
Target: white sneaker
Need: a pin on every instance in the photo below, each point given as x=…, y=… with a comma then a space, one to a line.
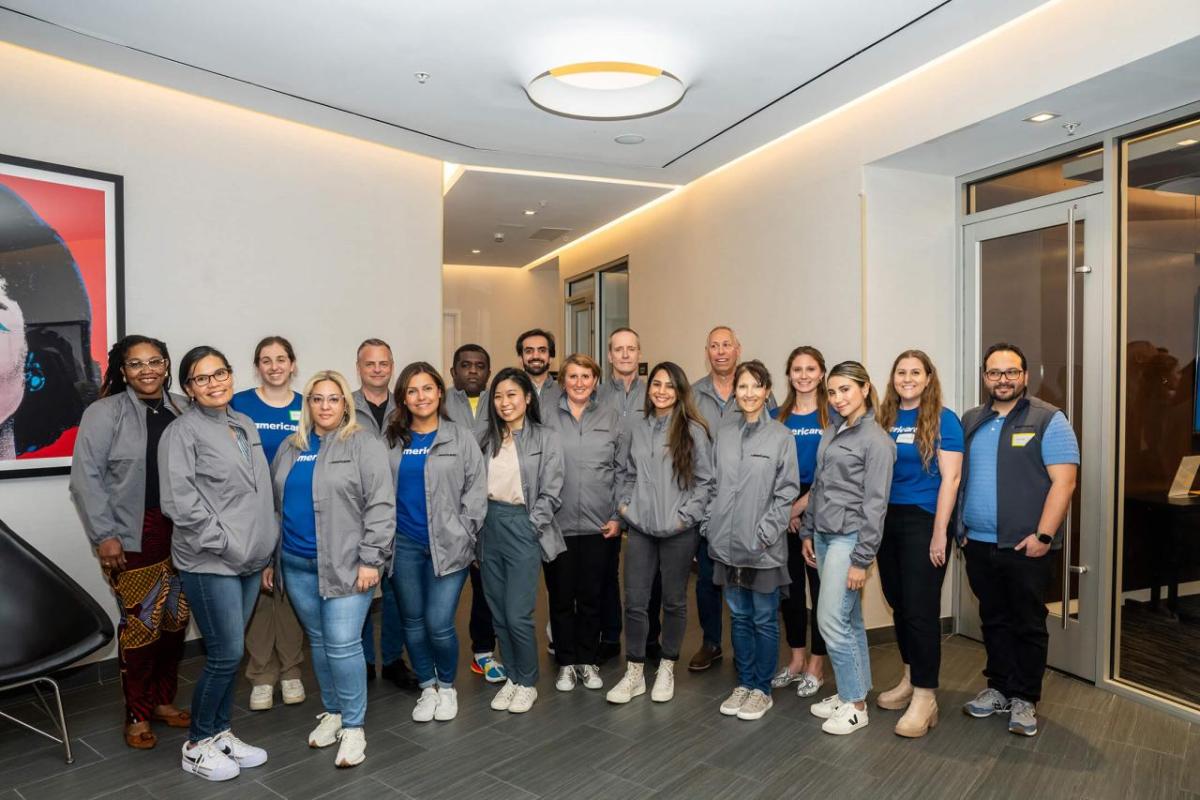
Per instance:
x=664, y=682
x=566, y=679
x=209, y=762
x=447, y=704
x=826, y=708
x=504, y=697
x=847, y=719
x=632, y=684
x=523, y=700
x=245, y=755
x=293, y=691
x=426, y=706
x=733, y=704
x=589, y=675
x=262, y=697
x=353, y=749
x=756, y=705
x=326, y=732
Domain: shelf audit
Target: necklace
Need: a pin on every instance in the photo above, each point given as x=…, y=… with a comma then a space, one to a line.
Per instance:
x=153, y=409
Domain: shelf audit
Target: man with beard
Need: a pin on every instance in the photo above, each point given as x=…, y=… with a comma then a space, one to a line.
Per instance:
x=535, y=348
x=1019, y=469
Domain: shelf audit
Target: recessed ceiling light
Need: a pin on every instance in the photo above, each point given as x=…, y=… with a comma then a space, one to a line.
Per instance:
x=1044, y=116
x=629, y=138
x=1187, y=142
x=529, y=212
x=605, y=90
x=475, y=252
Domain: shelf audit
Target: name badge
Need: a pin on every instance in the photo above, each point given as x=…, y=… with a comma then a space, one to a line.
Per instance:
x=906, y=438
x=295, y=415
x=1021, y=439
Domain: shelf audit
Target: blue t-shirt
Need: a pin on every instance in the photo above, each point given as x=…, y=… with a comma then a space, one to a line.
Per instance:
x=412, y=517
x=299, y=520
x=806, y=431
x=274, y=424
x=979, y=505
x=912, y=484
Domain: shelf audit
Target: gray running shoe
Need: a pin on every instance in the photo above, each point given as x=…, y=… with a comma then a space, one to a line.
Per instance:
x=986, y=703
x=1022, y=719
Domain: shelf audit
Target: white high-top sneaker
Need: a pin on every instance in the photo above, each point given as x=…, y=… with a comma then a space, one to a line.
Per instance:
x=664, y=682
x=630, y=686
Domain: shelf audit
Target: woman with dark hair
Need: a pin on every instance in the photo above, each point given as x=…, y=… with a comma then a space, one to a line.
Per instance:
x=663, y=497
x=594, y=450
x=806, y=414
x=274, y=640
x=841, y=533
x=524, y=470
x=757, y=480
x=114, y=485
x=216, y=489
x=441, y=500
x=912, y=555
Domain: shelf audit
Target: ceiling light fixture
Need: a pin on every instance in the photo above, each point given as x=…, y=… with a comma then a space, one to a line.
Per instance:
x=629, y=138
x=605, y=90
x=1187, y=142
x=529, y=212
x=475, y=252
x=1044, y=116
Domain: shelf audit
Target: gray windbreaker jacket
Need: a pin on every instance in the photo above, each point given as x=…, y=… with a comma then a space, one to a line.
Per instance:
x=651, y=500
x=717, y=413
x=364, y=415
x=540, y=454
x=108, y=469
x=220, y=503
x=455, y=495
x=458, y=408
x=851, y=486
x=612, y=393
x=354, y=502
x=595, y=449
x=757, y=480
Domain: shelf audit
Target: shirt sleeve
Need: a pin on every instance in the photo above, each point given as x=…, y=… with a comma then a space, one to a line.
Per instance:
x=951, y=432
x=1059, y=445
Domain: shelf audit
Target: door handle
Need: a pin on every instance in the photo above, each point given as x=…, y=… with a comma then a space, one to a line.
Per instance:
x=1082, y=569
x=1072, y=270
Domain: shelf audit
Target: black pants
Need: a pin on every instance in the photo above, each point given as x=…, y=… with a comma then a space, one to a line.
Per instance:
x=574, y=581
x=1011, y=588
x=483, y=635
x=611, y=615
x=912, y=586
x=796, y=615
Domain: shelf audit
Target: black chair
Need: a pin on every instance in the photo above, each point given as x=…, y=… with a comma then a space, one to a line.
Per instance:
x=47, y=622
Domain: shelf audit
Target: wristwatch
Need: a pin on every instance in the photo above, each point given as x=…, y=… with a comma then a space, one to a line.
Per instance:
x=1045, y=538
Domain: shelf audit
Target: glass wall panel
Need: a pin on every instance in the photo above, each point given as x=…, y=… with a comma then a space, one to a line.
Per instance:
x=1158, y=600
x=1077, y=169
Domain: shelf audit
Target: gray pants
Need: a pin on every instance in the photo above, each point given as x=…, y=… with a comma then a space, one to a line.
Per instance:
x=644, y=557
x=510, y=559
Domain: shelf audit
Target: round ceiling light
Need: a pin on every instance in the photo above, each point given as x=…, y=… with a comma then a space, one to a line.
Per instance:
x=605, y=90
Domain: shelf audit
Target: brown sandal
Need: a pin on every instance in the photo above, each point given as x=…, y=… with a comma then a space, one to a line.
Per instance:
x=180, y=719
x=140, y=739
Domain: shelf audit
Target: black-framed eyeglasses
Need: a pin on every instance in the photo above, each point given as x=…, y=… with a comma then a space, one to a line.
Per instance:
x=1012, y=373
x=220, y=376
x=158, y=364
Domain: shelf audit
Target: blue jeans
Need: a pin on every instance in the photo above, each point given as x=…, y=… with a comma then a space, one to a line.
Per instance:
x=391, y=637
x=708, y=596
x=754, y=631
x=427, y=607
x=221, y=606
x=839, y=615
x=333, y=625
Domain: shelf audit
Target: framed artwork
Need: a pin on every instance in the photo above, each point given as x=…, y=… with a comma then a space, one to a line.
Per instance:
x=61, y=306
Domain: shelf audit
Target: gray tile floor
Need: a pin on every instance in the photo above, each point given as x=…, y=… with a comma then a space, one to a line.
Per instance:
x=1094, y=744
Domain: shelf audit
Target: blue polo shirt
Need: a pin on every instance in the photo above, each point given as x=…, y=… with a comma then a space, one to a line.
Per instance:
x=979, y=504
x=299, y=519
x=412, y=515
x=912, y=483
x=274, y=424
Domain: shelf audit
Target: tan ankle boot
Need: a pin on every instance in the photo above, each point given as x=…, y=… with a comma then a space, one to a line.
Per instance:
x=898, y=696
x=922, y=714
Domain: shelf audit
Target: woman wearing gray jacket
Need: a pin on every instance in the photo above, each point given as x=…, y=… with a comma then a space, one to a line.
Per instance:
x=114, y=485
x=215, y=487
x=841, y=530
x=524, y=463
x=666, y=487
x=441, y=499
x=333, y=494
x=757, y=480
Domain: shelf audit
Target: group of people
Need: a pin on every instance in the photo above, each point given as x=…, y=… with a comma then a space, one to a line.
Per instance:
x=196, y=505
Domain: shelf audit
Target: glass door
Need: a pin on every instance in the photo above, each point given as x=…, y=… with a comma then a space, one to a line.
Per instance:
x=1034, y=279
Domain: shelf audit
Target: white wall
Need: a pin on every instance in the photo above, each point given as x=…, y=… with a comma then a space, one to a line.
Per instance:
x=774, y=244
x=237, y=225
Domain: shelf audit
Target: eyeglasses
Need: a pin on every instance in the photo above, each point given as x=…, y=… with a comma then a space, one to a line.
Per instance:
x=1012, y=373
x=156, y=364
x=220, y=376
x=325, y=399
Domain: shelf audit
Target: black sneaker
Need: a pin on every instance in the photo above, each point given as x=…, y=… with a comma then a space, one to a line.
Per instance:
x=398, y=673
